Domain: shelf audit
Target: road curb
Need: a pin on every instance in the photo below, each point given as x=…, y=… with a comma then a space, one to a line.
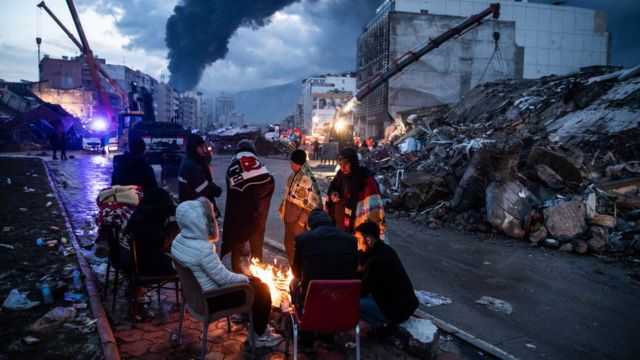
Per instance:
x=465, y=336
x=107, y=340
x=274, y=244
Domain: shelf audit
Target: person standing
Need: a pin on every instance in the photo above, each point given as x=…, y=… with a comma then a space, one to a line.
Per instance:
x=249, y=190
x=194, y=176
x=63, y=145
x=132, y=168
x=354, y=196
x=387, y=297
x=195, y=247
x=301, y=196
x=316, y=149
x=53, y=141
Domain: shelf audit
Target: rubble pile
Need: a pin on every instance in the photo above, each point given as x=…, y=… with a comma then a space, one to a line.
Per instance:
x=554, y=160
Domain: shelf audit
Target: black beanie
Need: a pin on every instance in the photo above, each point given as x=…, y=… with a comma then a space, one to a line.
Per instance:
x=350, y=155
x=299, y=157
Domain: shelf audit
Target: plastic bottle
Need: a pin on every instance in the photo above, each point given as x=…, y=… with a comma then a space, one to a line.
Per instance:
x=39, y=242
x=77, y=282
x=46, y=294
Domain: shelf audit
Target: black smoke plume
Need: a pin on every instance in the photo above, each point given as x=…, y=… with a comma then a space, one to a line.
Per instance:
x=198, y=33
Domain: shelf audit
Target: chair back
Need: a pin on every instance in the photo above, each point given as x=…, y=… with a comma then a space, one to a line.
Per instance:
x=331, y=306
x=191, y=290
x=120, y=257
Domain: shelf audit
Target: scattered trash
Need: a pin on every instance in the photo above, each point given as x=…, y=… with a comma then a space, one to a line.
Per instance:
x=7, y=228
x=27, y=189
x=18, y=301
x=8, y=181
x=39, y=242
x=7, y=246
x=53, y=319
x=46, y=294
x=50, y=195
x=54, y=228
x=63, y=240
x=79, y=232
x=496, y=305
x=23, y=209
x=77, y=281
x=30, y=340
x=48, y=204
x=529, y=345
x=75, y=297
x=430, y=299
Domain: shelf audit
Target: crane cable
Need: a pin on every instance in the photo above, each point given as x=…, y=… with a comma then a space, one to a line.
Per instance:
x=497, y=55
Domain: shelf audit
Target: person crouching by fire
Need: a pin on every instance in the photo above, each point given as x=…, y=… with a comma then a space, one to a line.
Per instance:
x=388, y=298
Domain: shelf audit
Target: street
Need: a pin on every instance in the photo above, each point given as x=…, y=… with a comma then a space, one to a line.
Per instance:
x=564, y=306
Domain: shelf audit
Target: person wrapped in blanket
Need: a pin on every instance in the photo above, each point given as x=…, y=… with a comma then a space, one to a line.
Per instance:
x=249, y=190
x=301, y=196
x=115, y=206
x=354, y=196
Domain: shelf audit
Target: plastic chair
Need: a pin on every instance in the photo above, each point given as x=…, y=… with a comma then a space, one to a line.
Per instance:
x=139, y=279
x=194, y=300
x=330, y=306
x=117, y=260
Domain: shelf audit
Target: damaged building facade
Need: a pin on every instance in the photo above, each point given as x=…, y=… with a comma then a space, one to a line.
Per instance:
x=533, y=40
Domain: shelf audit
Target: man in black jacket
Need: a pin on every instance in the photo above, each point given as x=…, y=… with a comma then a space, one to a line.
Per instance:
x=387, y=298
x=325, y=252
x=194, y=176
x=322, y=253
x=132, y=169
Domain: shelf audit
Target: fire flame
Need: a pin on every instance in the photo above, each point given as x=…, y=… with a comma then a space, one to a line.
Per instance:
x=276, y=278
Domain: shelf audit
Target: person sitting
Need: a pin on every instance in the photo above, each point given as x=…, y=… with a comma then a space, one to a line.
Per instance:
x=131, y=168
x=195, y=247
x=325, y=252
x=153, y=229
x=387, y=297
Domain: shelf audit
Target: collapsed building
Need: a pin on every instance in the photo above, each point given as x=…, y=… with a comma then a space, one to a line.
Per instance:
x=554, y=160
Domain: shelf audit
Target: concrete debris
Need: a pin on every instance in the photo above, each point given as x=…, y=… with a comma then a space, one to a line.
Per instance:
x=542, y=160
x=496, y=305
x=565, y=221
x=421, y=337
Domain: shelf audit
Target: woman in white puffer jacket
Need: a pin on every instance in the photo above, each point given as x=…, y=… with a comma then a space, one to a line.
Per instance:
x=194, y=246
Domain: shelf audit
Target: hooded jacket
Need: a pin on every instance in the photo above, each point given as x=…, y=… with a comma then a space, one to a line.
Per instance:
x=194, y=177
x=193, y=248
x=132, y=169
x=325, y=252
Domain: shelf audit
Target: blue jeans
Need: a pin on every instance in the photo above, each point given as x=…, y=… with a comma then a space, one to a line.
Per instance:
x=371, y=313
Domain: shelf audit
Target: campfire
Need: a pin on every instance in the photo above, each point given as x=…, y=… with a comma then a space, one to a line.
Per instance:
x=276, y=278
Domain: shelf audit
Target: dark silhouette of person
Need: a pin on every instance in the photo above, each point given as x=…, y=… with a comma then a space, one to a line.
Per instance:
x=53, y=141
x=132, y=168
x=62, y=144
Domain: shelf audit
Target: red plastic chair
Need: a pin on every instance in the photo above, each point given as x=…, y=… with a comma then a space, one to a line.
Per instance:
x=330, y=306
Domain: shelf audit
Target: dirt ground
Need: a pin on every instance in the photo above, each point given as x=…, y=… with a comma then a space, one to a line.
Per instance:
x=29, y=211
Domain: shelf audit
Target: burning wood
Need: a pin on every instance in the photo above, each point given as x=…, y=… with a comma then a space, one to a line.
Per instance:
x=278, y=280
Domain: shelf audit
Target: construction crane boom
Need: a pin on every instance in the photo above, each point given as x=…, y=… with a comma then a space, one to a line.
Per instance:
x=104, y=99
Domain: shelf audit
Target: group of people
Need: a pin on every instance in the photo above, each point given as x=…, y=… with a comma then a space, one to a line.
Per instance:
x=342, y=238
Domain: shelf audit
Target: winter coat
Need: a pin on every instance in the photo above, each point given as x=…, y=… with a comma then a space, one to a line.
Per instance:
x=301, y=196
x=194, y=177
x=130, y=169
x=325, y=252
x=385, y=279
x=192, y=247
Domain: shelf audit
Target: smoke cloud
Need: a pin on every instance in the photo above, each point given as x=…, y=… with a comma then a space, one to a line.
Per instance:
x=198, y=33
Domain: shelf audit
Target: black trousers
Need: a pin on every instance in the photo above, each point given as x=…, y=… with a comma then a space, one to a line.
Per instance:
x=261, y=309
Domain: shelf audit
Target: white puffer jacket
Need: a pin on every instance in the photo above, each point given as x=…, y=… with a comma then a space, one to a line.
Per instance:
x=192, y=247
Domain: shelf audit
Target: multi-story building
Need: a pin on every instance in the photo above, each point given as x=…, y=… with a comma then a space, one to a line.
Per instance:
x=225, y=105
x=167, y=101
x=192, y=110
x=67, y=72
x=313, y=90
x=534, y=40
x=77, y=102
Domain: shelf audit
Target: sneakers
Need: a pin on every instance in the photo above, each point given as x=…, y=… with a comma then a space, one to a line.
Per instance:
x=268, y=339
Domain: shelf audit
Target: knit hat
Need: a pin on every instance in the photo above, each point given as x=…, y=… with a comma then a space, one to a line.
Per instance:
x=193, y=141
x=245, y=145
x=299, y=157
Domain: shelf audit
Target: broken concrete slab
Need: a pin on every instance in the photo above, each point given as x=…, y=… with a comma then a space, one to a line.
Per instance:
x=565, y=221
x=600, y=207
x=557, y=161
x=509, y=206
x=547, y=176
x=538, y=235
x=580, y=247
x=421, y=337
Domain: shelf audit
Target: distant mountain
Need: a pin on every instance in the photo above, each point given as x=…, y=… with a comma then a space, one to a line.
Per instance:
x=268, y=105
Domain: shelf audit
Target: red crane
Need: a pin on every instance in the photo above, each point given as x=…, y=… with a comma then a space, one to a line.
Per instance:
x=92, y=64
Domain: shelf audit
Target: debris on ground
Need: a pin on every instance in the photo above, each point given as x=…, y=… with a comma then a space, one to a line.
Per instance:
x=546, y=160
x=496, y=305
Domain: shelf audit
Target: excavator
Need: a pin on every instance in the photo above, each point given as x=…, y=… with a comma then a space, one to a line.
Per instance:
x=341, y=126
x=166, y=142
